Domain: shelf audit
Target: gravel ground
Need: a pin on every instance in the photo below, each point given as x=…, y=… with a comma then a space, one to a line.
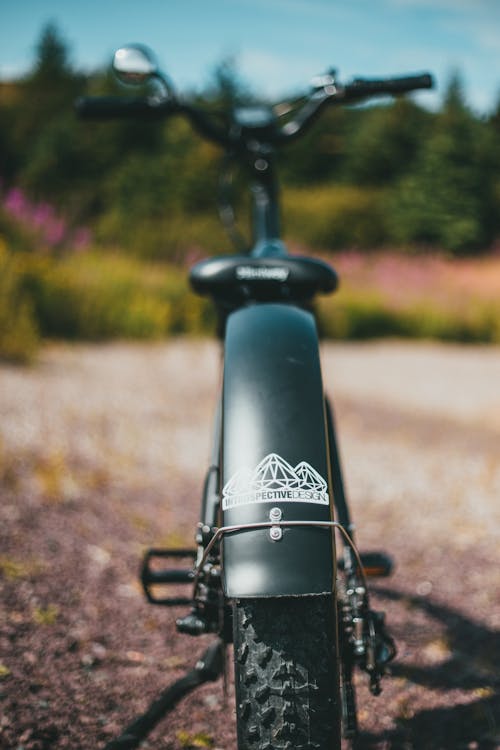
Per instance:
x=102, y=453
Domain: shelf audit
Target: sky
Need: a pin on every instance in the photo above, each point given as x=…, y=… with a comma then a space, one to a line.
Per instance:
x=278, y=45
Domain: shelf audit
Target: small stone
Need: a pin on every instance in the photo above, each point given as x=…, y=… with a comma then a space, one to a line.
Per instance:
x=127, y=590
x=135, y=656
x=424, y=588
x=112, y=728
x=87, y=660
x=98, y=555
x=212, y=701
x=99, y=651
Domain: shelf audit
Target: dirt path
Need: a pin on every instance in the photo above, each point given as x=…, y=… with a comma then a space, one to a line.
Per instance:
x=102, y=451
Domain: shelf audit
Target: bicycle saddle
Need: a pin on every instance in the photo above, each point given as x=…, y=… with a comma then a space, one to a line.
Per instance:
x=272, y=278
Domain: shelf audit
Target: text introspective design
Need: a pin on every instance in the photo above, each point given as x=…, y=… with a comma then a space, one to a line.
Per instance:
x=275, y=480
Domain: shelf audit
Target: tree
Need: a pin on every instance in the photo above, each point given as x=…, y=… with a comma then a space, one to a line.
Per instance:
x=445, y=200
x=318, y=156
x=52, y=80
x=52, y=57
x=46, y=98
x=386, y=143
x=492, y=171
x=227, y=89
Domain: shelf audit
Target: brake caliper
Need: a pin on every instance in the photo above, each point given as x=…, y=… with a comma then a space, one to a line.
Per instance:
x=364, y=631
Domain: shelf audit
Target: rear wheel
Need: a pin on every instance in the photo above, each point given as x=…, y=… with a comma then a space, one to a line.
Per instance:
x=286, y=674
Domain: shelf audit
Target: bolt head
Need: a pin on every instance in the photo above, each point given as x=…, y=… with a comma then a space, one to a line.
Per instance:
x=275, y=533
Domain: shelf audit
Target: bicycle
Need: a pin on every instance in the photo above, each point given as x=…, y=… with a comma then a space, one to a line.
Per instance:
x=265, y=572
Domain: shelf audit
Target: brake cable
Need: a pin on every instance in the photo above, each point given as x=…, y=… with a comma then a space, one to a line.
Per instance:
x=225, y=206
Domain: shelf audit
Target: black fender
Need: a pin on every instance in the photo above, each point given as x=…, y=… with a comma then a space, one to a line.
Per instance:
x=274, y=454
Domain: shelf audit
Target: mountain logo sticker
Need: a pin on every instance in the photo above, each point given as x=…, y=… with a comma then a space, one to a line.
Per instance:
x=275, y=480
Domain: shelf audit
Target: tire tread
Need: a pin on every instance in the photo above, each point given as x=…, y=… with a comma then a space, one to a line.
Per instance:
x=286, y=674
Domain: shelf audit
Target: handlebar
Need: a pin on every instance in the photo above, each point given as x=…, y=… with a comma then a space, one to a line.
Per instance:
x=329, y=92
x=148, y=108
x=362, y=88
x=105, y=107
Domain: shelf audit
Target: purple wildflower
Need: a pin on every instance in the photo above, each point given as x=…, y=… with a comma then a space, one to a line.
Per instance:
x=41, y=214
x=17, y=204
x=43, y=220
x=81, y=238
x=54, y=232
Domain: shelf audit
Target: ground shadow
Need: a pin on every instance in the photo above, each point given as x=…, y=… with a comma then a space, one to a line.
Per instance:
x=473, y=665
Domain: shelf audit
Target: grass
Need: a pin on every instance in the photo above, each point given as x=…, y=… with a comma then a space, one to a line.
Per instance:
x=45, y=615
x=430, y=297
x=13, y=570
x=18, y=329
x=97, y=296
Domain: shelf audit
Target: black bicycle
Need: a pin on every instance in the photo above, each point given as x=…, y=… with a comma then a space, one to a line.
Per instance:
x=265, y=575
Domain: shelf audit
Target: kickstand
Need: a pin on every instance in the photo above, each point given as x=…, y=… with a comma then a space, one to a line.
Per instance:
x=207, y=669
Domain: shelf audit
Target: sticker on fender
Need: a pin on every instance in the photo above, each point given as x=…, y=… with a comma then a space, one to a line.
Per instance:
x=275, y=480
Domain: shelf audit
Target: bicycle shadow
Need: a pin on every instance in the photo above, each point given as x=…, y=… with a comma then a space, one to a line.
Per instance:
x=473, y=665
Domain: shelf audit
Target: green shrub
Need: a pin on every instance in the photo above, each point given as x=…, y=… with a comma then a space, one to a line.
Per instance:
x=359, y=315
x=18, y=331
x=99, y=298
x=362, y=314
x=335, y=217
x=166, y=240
x=103, y=296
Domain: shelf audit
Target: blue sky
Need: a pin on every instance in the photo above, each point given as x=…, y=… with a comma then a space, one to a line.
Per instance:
x=278, y=44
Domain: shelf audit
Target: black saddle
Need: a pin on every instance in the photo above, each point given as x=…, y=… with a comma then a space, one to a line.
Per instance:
x=241, y=277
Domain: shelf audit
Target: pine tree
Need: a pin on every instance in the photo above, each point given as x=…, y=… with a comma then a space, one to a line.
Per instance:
x=444, y=201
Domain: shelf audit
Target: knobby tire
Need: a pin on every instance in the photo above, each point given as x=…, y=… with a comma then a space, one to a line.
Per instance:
x=286, y=674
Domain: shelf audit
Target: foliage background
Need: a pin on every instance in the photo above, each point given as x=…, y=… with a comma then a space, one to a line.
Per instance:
x=98, y=221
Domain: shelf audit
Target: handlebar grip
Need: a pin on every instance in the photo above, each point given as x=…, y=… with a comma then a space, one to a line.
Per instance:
x=107, y=107
x=361, y=87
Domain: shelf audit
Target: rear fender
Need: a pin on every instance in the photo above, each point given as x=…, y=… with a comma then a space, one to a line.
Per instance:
x=274, y=455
